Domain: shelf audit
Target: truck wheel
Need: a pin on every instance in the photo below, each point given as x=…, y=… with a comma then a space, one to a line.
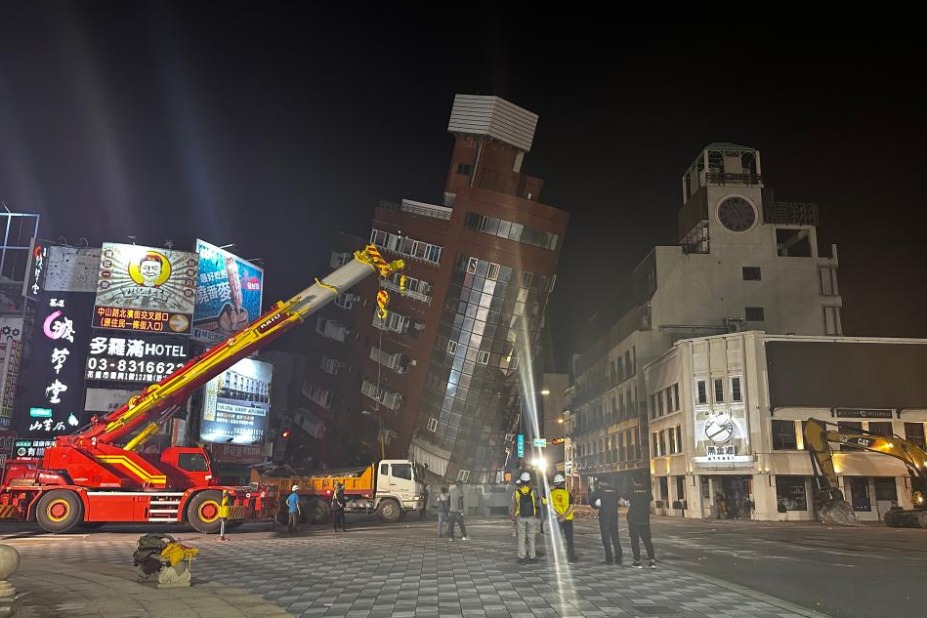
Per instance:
x=203, y=511
x=316, y=511
x=59, y=511
x=389, y=511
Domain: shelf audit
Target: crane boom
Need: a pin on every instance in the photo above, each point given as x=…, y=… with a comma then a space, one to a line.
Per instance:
x=163, y=398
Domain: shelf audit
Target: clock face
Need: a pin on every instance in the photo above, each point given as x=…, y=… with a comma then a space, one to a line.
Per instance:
x=719, y=428
x=737, y=214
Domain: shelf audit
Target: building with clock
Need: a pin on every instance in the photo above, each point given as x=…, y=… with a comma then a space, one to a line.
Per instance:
x=743, y=261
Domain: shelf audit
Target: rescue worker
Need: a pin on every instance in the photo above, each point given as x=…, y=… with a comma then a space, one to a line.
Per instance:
x=339, y=502
x=639, y=521
x=605, y=500
x=562, y=502
x=292, y=503
x=526, y=511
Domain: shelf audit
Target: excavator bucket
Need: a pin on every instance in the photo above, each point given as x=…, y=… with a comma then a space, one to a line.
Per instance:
x=838, y=512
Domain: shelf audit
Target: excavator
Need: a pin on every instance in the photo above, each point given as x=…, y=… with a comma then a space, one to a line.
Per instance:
x=833, y=507
x=97, y=474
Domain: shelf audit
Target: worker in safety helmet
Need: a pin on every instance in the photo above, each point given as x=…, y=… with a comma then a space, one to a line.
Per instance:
x=292, y=503
x=526, y=511
x=562, y=502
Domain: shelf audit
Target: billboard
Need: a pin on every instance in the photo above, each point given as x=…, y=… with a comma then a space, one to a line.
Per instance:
x=145, y=289
x=11, y=345
x=135, y=358
x=228, y=293
x=236, y=404
x=52, y=384
x=72, y=269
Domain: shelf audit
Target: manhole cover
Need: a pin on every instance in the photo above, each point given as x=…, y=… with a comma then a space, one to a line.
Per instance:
x=654, y=610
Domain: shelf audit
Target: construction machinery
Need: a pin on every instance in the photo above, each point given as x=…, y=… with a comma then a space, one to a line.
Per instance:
x=833, y=507
x=97, y=475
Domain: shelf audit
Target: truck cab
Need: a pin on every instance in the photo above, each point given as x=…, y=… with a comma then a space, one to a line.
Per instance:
x=402, y=480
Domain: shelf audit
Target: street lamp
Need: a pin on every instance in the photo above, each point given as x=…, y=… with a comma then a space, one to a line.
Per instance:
x=380, y=423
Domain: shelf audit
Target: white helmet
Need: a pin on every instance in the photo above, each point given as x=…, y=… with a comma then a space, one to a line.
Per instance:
x=295, y=488
x=525, y=477
x=559, y=479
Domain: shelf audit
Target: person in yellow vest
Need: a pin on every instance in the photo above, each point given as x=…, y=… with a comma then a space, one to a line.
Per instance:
x=526, y=511
x=223, y=513
x=562, y=501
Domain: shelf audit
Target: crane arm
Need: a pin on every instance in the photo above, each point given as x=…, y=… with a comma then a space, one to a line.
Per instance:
x=176, y=388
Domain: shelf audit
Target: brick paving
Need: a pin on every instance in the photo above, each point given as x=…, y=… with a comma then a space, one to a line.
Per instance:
x=376, y=571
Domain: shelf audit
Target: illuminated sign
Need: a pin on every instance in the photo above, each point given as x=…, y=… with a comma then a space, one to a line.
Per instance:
x=539, y=443
x=228, y=293
x=236, y=404
x=52, y=384
x=36, y=274
x=858, y=413
x=135, y=358
x=145, y=289
x=520, y=445
x=31, y=448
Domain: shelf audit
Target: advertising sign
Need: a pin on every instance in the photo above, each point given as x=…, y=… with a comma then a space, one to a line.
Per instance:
x=136, y=358
x=145, y=289
x=72, y=269
x=52, y=389
x=236, y=404
x=35, y=275
x=31, y=448
x=721, y=435
x=237, y=454
x=228, y=293
x=520, y=445
x=11, y=329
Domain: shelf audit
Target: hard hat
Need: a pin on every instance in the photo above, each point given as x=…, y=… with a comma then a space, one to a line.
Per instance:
x=559, y=479
x=525, y=477
x=598, y=503
x=295, y=488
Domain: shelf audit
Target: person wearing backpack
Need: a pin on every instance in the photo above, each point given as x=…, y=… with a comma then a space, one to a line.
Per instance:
x=525, y=511
x=339, y=502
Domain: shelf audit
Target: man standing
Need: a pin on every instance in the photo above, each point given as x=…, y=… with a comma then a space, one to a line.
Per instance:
x=425, y=496
x=339, y=502
x=292, y=503
x=455, y=514
x=562, y=501
x=525, y=512
x=639, y=521
x=443, y=508
x=605, y=499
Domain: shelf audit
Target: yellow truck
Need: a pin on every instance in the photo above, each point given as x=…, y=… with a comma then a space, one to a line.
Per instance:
x=390, y=488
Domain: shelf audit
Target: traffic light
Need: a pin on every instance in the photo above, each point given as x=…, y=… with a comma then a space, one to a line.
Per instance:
x=285, y=433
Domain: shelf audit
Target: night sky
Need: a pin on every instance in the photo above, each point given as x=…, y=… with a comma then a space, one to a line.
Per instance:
x=273, y=124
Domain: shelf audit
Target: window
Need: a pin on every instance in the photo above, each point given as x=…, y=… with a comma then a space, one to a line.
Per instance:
x=885, y=489
x=790, y=493
x=192, y=462
x=432, y=425
x=472, y=263
x=914, y=433
x=463, y=476
x=482, y=357
x=736, y=394
x=793, y=243
x=675, y=396
x=851, y=427
x=783, y=436
x=402, y=471
x=832, y=321
x=754, y=314
x=719, y=390
x=384, y=469
x=752, y=273
x=701, y=392
x=663, y=442
x=679, y=438
x=669, y=401
x=493, y=272
x=828, y=278
x=451, y=347
x=883, y=428
x=464, y=169
x=659, y=404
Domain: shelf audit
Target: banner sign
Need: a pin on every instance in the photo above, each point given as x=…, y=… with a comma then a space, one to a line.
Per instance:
x=857, y=413
x=236, y=404
x=139, y=358
x=237, y=453
x=228, y=293
x=11, y=334
x=52, y=389
x=35, y=274
x=31, y=448
x=145, y=289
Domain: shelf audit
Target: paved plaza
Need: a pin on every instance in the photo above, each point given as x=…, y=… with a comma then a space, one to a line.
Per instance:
x=372, y=571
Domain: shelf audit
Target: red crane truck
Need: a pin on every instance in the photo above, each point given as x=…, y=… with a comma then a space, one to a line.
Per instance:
x=97, y=476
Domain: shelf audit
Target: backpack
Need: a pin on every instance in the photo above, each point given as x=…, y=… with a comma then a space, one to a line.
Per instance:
x=526, y=504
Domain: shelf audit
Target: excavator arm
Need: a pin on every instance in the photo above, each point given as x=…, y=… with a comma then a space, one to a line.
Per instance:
x=159, y=401
x=818, y=440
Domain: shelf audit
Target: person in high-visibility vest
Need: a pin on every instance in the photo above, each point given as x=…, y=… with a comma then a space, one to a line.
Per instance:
x=562, y=501
x=223, y=514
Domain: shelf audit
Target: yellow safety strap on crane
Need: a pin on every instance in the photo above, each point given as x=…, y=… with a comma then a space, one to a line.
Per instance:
x=328, y=287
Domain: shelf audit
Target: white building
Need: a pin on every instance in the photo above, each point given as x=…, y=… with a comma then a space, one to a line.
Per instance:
x=727, y=412
x=744, y=261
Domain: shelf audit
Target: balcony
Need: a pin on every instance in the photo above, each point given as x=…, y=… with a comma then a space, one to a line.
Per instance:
x=331, y=329
x=389, y=399
x=390, y=285
x=395, y=361
x=420, y=209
